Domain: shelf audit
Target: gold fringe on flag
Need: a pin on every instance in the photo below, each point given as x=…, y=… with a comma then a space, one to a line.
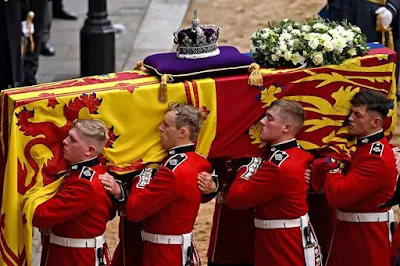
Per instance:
x=255, y=78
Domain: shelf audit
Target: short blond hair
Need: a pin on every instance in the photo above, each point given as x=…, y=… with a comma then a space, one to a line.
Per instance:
x=290, y=110
x=92, y=128
x=187, y=116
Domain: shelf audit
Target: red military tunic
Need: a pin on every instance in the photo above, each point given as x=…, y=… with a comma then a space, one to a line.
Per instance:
x=80, y=209
x=278, y=191
x=369, y=181
x=168, y=204
x=228, y=222
x=129, y=250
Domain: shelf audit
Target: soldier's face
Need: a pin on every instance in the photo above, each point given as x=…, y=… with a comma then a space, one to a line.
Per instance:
x=76, y=148
x=169, y=133
x=362, y=122
x=272, y=126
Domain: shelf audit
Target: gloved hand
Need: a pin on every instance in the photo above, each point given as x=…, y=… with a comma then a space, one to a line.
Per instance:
x=320, y=168
x=387, y=16
x=25, y=30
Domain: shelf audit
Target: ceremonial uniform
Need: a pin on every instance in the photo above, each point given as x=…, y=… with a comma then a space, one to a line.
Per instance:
x=278, y=191
x=362, y=14
x=168, y=204
x=129, y=250
x=223, y=250
x=361, y=235
x=77, y=216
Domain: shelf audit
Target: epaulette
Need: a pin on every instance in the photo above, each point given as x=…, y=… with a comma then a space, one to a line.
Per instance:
x=145, y=176
x=87, y=173
x=279, y=157
x=175, y=161
x=377, y=148
x=252, y=165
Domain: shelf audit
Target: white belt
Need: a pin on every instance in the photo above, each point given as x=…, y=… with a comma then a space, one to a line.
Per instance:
x=185, y=240
x=276, y=224
x=77, y=242
x=364, y=217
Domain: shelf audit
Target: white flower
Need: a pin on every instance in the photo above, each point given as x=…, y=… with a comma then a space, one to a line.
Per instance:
x=318, y=58
x=289, y=28
x=265, y=33
x=279, y=53
x=305, y=28
x=325, y=37
x=286, y=20
x=328, y=46
x=290, y=43
x=275, y=57
x=356, y=29
x=296, y=32
x=286, y=36
x=320, y=26
x=252, y=49
x=298, y=59
x=283, y=48
x=313, y=43
x=352, y=52
x=339, y=44
x=288, y=56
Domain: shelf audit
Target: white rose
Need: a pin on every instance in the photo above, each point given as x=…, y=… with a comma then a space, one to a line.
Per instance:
x=313, y=43
x=328, y=46
x=318, y=59
x=274, y=57
x=325, y=37
x=288, y=56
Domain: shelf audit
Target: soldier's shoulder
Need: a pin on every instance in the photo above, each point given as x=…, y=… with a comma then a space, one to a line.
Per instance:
x=377, y=148
x=279, y=157
x=175, y=161
x=87, y=173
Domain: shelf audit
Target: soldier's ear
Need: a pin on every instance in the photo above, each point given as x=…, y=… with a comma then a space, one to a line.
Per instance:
x=90, y=150
x=184, y=131
x=287, y=127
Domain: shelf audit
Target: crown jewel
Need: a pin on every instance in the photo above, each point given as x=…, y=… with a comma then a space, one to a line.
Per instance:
x=197, y=41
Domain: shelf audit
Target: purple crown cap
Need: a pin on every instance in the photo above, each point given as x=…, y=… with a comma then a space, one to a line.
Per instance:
x=197, y=41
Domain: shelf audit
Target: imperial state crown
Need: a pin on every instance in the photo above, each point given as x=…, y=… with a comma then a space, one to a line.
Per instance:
x=197, y=41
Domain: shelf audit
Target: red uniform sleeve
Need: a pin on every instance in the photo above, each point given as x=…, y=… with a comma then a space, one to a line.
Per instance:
x=144, y=202
x=261, y=187
x=70, y=202
x=362, y=181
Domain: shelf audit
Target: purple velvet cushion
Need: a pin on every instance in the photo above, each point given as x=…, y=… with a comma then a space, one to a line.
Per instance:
x=229, y=61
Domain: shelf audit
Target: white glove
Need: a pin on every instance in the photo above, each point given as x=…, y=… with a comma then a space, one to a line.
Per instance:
x=387, y=16
x=25, y=29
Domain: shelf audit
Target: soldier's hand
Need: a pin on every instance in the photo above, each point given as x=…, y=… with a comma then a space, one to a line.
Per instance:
x=387, y=16
x=396, y=153
x=205, y=183
x=307, y=175
x=110, y=185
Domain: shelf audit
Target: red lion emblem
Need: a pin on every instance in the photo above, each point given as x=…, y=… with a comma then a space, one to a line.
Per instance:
x=51, y=136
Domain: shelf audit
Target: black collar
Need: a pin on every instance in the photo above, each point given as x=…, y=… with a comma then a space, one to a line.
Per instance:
x=181, y=149
x=371, y=138
x=89, y=163
x=284, y=146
